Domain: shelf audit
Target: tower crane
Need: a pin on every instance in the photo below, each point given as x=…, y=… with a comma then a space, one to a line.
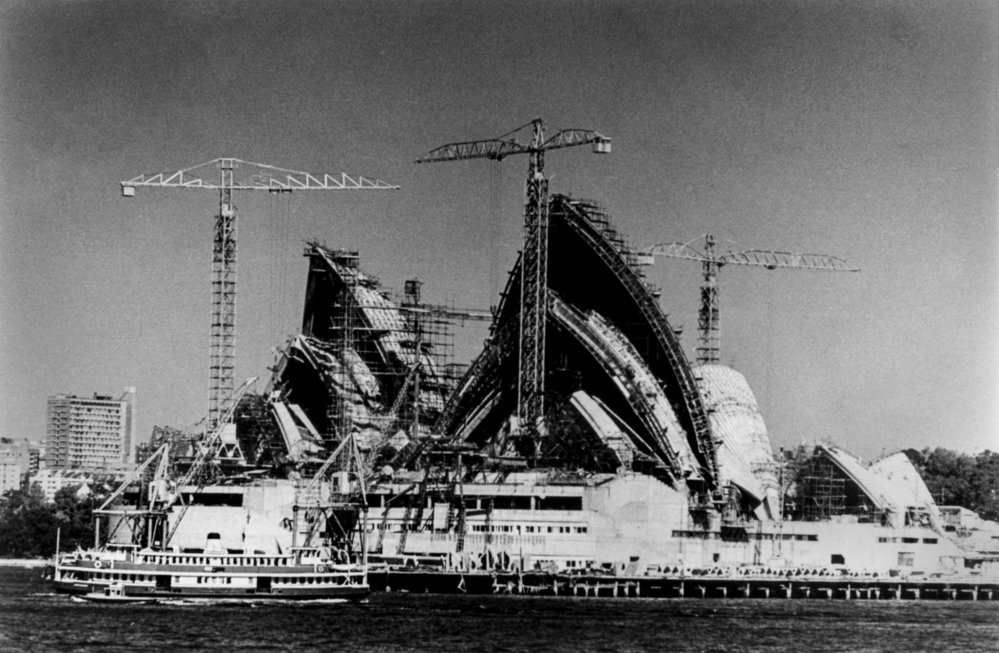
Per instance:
x=711, y=262
x=534, y=258
x=252, y=176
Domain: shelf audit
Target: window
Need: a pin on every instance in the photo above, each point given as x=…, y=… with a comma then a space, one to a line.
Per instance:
x=560, y=503
x=837, y=559
x=906, y=558
x=512, y=503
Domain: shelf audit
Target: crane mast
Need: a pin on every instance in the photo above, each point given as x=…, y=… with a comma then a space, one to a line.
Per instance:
x=708, y=336
x=222, y=350
x=534, y=257
x=533, y=296
x=260, y=177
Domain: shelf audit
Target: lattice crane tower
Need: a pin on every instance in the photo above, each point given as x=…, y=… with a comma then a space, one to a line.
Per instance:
x=534, y=258
x=257, y=177
x=708, y=316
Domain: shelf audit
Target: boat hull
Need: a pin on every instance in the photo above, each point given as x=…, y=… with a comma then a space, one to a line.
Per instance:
x=144, y=595
x=114, y=600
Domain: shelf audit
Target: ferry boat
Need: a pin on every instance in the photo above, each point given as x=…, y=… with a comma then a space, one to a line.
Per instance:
x=150, y=548
x=215, y=573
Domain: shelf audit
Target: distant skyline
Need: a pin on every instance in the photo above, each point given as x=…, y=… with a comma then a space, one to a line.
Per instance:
x=864, y=130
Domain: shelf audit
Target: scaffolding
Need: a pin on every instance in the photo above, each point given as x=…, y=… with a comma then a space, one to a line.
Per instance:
x=823, y=490
x=338, y=411
x=394, y=354
x=428, y=339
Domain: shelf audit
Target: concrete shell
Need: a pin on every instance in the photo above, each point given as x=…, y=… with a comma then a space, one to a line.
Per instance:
x=745, y=457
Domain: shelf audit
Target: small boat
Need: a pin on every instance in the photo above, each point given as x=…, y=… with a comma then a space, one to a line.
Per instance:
x=115, y=593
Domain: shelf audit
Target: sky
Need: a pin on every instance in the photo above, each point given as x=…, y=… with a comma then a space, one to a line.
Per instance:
x=863, y=130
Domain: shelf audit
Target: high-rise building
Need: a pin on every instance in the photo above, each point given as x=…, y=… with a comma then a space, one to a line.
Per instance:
x=90, y=434
x=18, y=459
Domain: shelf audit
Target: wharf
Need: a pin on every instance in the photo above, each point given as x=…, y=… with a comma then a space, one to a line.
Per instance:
x=705, y=587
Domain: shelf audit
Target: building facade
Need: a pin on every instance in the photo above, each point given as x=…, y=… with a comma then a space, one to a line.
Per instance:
x=18, y=460
x=50, y=482
x=90, y=433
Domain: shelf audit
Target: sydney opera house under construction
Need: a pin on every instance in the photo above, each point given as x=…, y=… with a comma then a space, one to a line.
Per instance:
x=640, y=461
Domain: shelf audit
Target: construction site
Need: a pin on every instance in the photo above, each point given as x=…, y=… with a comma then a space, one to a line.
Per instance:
x=581, y=441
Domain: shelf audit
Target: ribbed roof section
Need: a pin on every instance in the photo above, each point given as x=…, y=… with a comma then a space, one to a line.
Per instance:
x=745, y=457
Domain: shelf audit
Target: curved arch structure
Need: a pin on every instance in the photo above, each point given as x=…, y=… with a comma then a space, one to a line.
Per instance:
x=606, y=336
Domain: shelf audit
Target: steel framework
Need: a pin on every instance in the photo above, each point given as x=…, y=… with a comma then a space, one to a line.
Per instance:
x=257, y=176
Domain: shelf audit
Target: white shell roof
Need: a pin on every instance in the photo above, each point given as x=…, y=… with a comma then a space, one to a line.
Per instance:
x=745, y=457
x=898, y=470
x=883, y=493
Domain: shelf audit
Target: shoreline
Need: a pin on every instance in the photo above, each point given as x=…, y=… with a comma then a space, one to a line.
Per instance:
x=24, y=562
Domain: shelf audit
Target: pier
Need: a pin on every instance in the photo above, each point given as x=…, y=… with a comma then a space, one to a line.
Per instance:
x=690, y=586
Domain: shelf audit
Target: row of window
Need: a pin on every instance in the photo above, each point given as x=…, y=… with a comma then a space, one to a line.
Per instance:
x=491, y=503
x=571, y=564
x=906, y=540
x=784, y=536
x=310, y=580
x=113, y=576
x=710, y=535
x=507, y=528
x=200, y=580
x=200, y=561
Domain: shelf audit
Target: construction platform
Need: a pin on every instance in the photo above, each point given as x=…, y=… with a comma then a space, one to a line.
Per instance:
x=691, y=586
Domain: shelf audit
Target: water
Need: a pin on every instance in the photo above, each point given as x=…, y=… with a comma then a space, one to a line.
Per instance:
x=32, y=618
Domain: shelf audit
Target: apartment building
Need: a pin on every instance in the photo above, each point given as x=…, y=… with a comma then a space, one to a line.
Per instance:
x=90, y=433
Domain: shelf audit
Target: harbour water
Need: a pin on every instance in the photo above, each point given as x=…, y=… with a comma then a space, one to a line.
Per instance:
x=32, y=618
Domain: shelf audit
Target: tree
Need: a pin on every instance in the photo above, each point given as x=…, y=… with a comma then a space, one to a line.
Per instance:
x=957, y=479
x=27, y=523
x=74, y=515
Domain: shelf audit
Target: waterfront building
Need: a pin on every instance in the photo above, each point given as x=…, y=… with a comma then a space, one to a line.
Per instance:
x=51, y=481
x=90, y=433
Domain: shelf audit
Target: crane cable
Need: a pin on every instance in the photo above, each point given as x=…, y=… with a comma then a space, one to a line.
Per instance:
x=278, y=273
